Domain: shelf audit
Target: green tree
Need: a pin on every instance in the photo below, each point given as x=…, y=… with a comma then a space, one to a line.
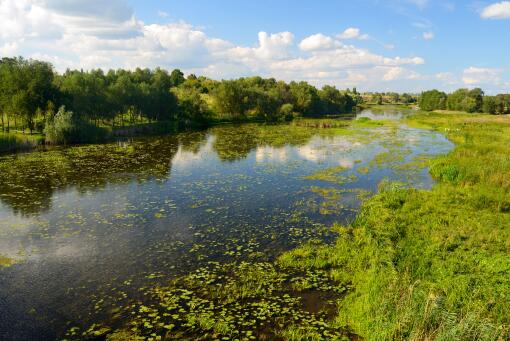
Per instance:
x=466, y=100
x=306, y=99
x=231, y=99
x=489, y=105
x=177, y=77
x=433, y=100
x=191, y=106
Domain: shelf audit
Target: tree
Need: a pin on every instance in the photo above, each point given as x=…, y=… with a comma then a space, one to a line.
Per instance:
x=407, y=99
x=27, y=85
x=433, y=100
x=466, y=100
x=266, y=105
x=503, y=104
x=66, y=127
x=333, y=101
x=177, y=77
x=191, y=106
x=489, y=105
x=305, y=99
x=231, y=99
x=287, y=111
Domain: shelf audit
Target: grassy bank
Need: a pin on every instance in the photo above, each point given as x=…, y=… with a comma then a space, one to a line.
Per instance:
x=430, y=264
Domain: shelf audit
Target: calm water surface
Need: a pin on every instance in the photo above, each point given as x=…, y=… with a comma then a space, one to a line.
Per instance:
x=79, y=223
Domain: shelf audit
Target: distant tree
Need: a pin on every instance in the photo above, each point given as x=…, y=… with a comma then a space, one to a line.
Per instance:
x=26, y=86
x=503, y=104
x=177, y=77
x=333, y=101
x=378, y=99
x=489, y=105
x=287, y=111
x=191, y=106
x=466, y=100
x=231, y=99
x=66, y=127
x=305, y=98
x=394, y=97
x=266, y=105
x=407, y=98
x=433, y=100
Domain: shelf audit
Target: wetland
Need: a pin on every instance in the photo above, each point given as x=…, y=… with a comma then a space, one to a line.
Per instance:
x=213, y=234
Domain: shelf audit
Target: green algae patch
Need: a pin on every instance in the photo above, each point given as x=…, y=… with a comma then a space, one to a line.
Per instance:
x=363, y=170
x=228, y=301
x=332, y=174
x=6, y=261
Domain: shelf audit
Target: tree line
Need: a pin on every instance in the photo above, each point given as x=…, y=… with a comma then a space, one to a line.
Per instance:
x=380, y=98
x=34, y=97
x=466, y=100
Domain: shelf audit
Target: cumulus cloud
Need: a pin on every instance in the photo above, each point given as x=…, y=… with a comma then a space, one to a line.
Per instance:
x=271, y=46
x=428, y=35
x=353, y=33
x=317, y=42
x=478, y=76
x=499, y=10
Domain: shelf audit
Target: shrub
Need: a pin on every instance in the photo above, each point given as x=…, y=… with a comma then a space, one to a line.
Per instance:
x=66, y=127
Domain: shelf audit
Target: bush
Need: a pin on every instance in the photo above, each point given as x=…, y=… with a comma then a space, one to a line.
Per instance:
x=66, y=127
x=287, y=112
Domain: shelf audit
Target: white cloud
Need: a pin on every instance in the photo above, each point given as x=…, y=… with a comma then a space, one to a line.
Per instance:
x=393, y=73
x=447, y=78
x=317, y=42
x=9, y=49
x=478, y=76
x=398, y=73
x=428, y=35
x=499, y=10
x=162, y=14
x=353, y=33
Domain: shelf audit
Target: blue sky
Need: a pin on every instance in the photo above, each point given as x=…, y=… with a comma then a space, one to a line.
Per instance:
x=400, y=45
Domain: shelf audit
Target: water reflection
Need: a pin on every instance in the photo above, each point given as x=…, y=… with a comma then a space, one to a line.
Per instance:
x=89, y=225
x=385, y=113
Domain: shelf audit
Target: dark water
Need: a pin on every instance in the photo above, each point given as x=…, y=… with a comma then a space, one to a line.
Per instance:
x=79, y=223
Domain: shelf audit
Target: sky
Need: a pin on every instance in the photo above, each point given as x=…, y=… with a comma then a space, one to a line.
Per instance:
x=374, y=45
